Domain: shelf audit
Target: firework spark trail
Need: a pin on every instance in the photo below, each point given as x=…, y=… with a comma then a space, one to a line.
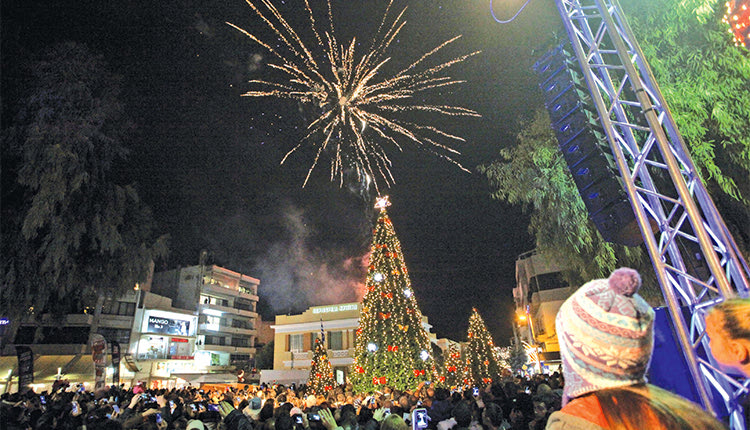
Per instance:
x=356, y=113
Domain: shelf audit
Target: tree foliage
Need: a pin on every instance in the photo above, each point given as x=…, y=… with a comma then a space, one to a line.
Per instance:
x=706, y=82
x=70, y=231
x=534, y=174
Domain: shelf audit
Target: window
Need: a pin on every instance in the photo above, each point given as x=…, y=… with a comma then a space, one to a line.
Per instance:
x=235, y=358
x=208, y=300
x=215, y=321
x=241, y=342
x=243, y=304
x=295, y=342
x=215, y=340
x=240, y=323
x=112, y=307
x=335, y=340
x=247, y=290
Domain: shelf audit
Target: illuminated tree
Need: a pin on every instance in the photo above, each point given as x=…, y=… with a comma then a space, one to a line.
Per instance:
x=453, y=372
x=321, y=379
x=481, y=363
x=392, y=347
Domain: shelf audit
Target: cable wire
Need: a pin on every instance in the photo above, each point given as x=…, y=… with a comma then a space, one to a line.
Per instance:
x=492, y=12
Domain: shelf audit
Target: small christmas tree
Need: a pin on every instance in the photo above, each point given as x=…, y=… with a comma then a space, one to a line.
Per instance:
x=321, y=379
x=453, y=371
x=391, y=347
x=481, y=362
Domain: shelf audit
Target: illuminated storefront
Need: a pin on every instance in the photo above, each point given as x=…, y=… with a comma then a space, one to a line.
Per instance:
x=164, y=342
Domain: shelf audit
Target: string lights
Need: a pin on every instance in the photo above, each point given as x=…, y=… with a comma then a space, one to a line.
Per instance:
x=391, y=347
x=738, y=19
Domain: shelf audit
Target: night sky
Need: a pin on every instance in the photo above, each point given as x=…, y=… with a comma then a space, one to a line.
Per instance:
x=207, y=160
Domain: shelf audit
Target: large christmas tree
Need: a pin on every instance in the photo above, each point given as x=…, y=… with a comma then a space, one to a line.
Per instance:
x=453, y=372
x=320, y=380
x=481, y=362
x=392, y=347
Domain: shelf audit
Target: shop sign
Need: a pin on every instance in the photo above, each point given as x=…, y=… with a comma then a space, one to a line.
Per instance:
x=157, y=324
x=335, y=308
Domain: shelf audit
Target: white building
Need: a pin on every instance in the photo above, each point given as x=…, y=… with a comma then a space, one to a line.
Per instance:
x=225, y=302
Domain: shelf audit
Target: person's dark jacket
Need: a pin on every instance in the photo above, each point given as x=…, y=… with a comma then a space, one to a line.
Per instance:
x=236, y=420
x=440, y=411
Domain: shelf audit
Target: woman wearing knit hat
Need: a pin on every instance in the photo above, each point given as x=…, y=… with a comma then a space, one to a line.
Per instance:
x=605, y=331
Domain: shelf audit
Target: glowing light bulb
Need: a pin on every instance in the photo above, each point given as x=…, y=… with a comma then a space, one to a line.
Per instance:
x=424, y=355
x=372, y=347
x=378, y=277
x=407, y=292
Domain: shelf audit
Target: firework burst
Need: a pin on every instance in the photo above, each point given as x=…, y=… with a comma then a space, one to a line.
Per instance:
x=358, y=111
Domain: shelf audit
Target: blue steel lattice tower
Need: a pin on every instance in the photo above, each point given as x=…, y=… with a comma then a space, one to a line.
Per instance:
x=622, y=121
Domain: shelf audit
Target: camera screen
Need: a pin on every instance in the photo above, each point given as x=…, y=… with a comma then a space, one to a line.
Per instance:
x=313, y=417
x=298, y=419
x=419, y=419
x=212, y=407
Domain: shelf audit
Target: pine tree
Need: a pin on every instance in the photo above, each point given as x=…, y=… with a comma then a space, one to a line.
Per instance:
x=392, y=347
x=481, y=362
x=453, y=372
x=321, y=379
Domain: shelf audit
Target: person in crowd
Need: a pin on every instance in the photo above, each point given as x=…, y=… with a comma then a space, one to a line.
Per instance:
x=728, y=328
x=605, y=330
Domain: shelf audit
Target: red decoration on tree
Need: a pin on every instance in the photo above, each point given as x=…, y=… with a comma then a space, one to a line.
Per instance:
x=392, y=348
x=384, y=315
x=738, y=18
x=418, y=372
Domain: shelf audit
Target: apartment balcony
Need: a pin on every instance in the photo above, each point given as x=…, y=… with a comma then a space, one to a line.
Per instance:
x=227, y=348
x=227, y=292
x=70, y=320
x=246, y=313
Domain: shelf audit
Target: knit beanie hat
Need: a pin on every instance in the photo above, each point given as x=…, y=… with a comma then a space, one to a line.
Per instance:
x=605, y=331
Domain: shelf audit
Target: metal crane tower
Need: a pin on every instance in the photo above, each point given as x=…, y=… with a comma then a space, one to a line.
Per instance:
x=695, y=258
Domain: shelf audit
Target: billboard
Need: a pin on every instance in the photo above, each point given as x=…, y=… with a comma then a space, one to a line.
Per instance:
x=170, y=326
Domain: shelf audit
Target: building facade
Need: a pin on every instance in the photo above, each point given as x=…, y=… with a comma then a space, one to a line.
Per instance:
x=225, y=302
x=62, y=345
x=163, y=342
x=538, y=295
x=294, y=338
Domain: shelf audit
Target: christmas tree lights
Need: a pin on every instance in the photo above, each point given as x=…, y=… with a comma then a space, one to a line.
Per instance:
x=391, y=346
x=737, y=17
x=481, y=362
x=453, y=371
x=321, y=379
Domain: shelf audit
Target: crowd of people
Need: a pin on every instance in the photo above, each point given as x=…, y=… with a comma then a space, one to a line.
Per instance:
x=605, y=331
x=518, y=403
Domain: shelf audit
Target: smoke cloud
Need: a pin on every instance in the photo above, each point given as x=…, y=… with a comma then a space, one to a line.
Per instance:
x=296, y=272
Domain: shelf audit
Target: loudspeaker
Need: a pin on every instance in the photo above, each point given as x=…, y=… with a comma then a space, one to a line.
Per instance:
x=585, y=148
